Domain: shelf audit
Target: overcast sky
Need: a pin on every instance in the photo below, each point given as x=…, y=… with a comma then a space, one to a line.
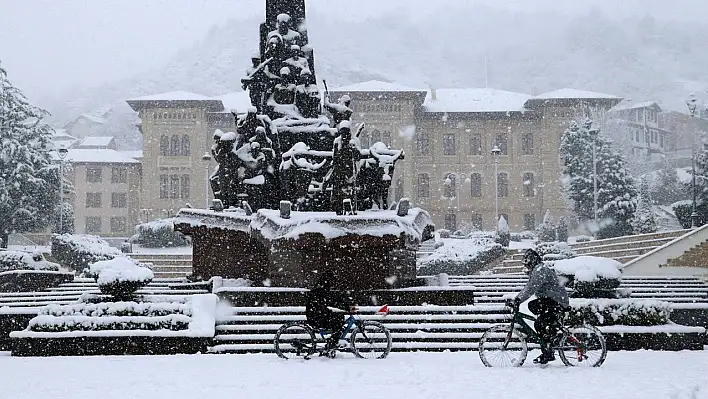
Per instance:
x=50, y=46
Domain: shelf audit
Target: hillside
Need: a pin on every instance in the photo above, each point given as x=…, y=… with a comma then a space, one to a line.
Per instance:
x=527, y=52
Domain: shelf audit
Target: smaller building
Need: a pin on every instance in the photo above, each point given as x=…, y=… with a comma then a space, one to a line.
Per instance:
x=97, y=142
x=637, y=129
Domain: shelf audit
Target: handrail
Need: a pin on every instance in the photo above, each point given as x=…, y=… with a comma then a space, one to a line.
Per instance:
x=653, y=261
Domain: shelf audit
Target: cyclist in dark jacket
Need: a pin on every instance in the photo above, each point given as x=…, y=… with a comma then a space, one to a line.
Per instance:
x=319, y=302
x=550, y=303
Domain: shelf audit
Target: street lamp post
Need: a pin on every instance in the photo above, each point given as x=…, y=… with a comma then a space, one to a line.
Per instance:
x=206, y=158
x=593, y=135
x=62, y=151
x=496, y=152
x=691, y=103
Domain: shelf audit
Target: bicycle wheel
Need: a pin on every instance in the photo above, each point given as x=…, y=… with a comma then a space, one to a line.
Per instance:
x=583, y=346
x=370, y=340
x=502, y=346
x=295, y=340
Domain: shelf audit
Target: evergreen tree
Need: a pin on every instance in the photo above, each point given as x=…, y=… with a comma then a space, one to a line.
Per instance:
x=666, y=188
x=29, y=182
x=616, y=192
x=546, y=231
x=503, y=235
x=644, y=221
x=562, y=230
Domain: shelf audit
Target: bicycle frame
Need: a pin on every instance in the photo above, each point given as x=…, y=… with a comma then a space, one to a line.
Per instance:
x=520, y=320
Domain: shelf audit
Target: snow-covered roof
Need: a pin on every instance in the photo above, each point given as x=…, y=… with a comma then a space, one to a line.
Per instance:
x=173, y=96
x=133, y=154
x=61, y=135
x=93, y=118
x=376, y=85
x=238, y=100
x=96, y=142
x=627, y=105
x=568, y=93
x=98, y=155
x=475, y=100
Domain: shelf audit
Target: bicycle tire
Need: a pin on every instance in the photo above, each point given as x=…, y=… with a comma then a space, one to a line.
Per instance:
x=576, y=347
x=372, y=330
x=286, y=347
x=492, y=341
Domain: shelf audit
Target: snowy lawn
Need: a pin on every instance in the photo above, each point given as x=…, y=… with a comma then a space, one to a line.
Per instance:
x=644, y=375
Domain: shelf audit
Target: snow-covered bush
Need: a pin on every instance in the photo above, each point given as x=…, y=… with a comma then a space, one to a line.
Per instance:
x=562, y=229
x=444, y=233
x=460, y=256
x=590, y=276
x=503, y=236
x=626, y=312
x=120, y=277
x=644, y=221
x=582, y=238
x=79, y=251
x=553, y=251
x=546, y=230
x=18, y=260
x=158, y=234
x=683, y=211
x=524, y=235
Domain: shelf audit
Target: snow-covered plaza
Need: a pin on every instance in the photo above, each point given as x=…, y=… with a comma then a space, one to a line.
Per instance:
x=643, y=374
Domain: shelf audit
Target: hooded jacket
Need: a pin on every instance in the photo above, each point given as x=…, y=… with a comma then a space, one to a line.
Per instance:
x=543, y=283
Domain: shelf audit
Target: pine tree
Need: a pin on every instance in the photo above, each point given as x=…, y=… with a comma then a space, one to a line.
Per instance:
x=666, y=188
x=503, y=235
x=644, y=221
x=616, y=191
x=29, y=182
x=547, y=231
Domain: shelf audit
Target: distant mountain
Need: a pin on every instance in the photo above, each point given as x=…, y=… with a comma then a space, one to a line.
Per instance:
x=527, y=52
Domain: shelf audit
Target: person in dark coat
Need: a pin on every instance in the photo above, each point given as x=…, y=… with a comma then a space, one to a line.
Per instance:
x=550, y=303
x=318, y=308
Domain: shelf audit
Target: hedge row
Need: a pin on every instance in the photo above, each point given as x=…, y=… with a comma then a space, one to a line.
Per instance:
x=627, y=312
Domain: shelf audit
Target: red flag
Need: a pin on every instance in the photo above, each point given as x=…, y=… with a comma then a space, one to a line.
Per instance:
x=383, y=310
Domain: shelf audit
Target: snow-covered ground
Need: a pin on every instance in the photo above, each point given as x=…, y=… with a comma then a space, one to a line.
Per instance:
x=626, y=375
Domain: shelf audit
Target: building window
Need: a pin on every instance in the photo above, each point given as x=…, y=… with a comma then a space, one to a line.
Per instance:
x=93, y=200
x=364, y=139
x=476, y=222
x=175, y=144
x=422, y=142
x=503, y=143
x=449, y=144
x=93, y=175
x=184, y=187
x=164, y=145
x=423, y=186
x=637, y=138
x=451, y=222
x=476, y=185
x=450, y=185
x=529, y=185
x=93, y=224
x=475, y=144
x=119, y=175
x=661, y=140
x=502, y=185
x=527, y=144
x=375, y=137
x=119, y=200
x=529, y=222
x=185, y=150
x=164, y=184
x=174, y=186
x=118, y=225
x=386, y=138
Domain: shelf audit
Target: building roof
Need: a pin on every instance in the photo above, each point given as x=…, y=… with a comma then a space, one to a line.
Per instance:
x=133, y=154
x=172, y=96
x=627, y=105
x=96, y=142
x=101, y=155
x=568, y=93
x=93, y=118
x=376, y=85
x=237, y=100
x=475, y=100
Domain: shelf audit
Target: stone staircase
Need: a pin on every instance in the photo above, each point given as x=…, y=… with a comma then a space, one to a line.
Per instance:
x=167, y=265
x=622, y=249
x=694, y=257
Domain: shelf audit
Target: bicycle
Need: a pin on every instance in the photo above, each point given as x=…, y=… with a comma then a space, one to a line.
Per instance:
x=367, y=339
x=581, y=345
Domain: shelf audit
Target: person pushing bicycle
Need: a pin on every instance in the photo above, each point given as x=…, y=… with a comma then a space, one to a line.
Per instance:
x=550, y=303
x=318, y=309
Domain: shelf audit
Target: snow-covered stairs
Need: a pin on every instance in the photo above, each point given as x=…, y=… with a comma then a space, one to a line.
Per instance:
x=167, y=265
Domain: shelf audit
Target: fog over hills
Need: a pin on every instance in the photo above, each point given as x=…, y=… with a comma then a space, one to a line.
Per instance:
x=531, y=52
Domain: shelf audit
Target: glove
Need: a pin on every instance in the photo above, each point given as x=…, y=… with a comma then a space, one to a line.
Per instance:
x=509, y=303
x=353, y=309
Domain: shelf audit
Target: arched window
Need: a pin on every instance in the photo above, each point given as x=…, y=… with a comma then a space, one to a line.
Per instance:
x=502, y=185
x=185, y=146
x=184, y=187
x=375, y=137
x=476, y=185
x=450, y=185
x=164, y=145
x=422, y=141
x=175, y=144
x=529, y=185
x=423, y=185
